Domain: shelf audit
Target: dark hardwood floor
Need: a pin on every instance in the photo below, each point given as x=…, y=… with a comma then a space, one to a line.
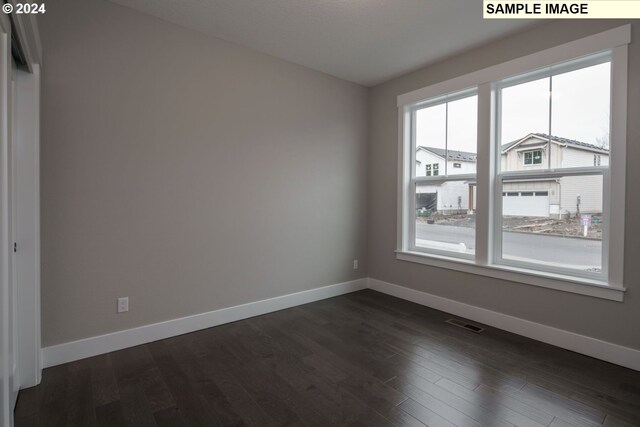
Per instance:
x=363, y=359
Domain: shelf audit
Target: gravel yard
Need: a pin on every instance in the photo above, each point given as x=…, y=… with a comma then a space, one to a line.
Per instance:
x=571, y=227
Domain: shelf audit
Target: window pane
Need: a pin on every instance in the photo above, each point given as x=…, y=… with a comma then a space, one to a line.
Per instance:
x=524, y=110
x=462, y=136
x=431, y=133
x=443, y=219
x=580, y=107
x=525, y=114
x=544, y=221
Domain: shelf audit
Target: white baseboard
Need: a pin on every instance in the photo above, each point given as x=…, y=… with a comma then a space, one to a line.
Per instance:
x=603, y=350
x=93, y=346
x=75, y=350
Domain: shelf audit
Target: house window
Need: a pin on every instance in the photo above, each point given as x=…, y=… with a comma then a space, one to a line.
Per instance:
x=533, y=157
x=436, y=169
x=559, y=225
x=428, y=170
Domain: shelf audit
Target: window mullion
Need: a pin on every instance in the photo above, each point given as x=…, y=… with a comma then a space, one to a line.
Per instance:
x=484, y=175
x=550, y=120
x=446, y=138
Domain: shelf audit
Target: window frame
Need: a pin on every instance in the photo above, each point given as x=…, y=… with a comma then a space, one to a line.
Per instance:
x=488, y=191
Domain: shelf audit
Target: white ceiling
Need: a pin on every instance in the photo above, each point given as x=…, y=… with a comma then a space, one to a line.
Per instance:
x=363, y=41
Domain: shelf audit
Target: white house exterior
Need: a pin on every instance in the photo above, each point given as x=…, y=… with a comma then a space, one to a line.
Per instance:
x=552, y=197
x=450, y=196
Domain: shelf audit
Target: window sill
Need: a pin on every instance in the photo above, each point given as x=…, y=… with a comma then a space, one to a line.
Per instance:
x=574, y=285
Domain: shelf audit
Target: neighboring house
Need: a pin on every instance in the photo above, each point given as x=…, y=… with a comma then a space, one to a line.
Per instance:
x=449, y=196
x=550, y=197
x=554, y=196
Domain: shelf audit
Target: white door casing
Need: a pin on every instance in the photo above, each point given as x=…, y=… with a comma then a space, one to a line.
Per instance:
x=6, y=306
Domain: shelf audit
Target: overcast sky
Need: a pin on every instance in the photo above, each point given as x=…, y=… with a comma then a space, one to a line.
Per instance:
x=580, y=111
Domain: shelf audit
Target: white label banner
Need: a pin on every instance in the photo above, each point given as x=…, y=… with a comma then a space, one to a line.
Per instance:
x=588, y=9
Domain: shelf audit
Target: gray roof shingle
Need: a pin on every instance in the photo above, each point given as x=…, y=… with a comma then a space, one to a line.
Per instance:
x=463, y=156
x=559, y=140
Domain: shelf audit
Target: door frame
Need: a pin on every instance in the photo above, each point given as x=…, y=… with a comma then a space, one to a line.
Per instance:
x=26, y=176
x=20, y=348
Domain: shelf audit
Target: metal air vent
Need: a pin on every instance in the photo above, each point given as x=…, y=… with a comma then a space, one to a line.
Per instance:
x=468, y=326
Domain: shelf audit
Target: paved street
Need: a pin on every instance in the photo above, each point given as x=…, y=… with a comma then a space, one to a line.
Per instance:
x=553, y=249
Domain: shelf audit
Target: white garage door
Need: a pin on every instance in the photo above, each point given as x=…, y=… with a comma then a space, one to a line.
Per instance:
x=525, y=203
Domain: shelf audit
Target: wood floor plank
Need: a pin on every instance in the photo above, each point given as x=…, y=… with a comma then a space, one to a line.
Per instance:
x=103, y=383
x=28, y=403
x=202, y=385
x=426, y=416
x=552, y=406
x=248, y=409
x=339, y=406
x=171, y=417
x=492, y=395
x=55, y=398
x=580, y=409
x=277, y=398
x=599, y=400
x=110, y=414
x=136, y=410
x=403, y=419
x=137, y=372
x=28, y=421
x=80, y=407
x=613, y=421
x=472, y=409
x=193, y=406
x=435, y=405
x=493, y=405
x=358, y=381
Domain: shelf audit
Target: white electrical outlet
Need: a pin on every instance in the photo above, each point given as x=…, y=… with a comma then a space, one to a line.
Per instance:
x=123, y=304
x=355, y=264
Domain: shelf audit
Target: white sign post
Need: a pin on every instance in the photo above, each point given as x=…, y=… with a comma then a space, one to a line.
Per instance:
x=586, y=223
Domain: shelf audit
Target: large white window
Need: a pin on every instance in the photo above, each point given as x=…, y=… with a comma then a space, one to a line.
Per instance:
x=517, y=171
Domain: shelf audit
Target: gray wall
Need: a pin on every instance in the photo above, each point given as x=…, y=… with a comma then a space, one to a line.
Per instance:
x=191, y=174
x=610, y=321
x=187, y=173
